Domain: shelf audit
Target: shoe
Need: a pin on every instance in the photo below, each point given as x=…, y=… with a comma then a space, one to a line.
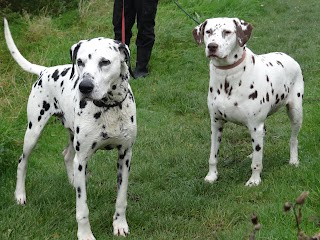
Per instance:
x=140, y=73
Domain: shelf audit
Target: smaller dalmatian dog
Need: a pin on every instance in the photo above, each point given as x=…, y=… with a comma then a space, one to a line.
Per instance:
x=93, y=99
x=246, y=88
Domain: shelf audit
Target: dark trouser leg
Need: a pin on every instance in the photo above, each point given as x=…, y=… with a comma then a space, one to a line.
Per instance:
x=130, y=16
x=146, y=12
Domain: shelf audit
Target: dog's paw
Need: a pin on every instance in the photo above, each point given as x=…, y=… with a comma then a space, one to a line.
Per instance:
x=210, y=178
x=120, y=227
x=88, y=236
x=294, y=162
x=21, y=198
x=253, y=181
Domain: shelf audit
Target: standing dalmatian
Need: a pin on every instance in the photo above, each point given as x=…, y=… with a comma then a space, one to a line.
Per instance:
x=245, y=88
x=93, y=99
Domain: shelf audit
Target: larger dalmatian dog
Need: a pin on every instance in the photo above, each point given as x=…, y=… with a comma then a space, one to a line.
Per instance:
x=94, y=101
x=246, y=88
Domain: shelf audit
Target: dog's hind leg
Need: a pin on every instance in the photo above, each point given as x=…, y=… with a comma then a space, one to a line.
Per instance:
x=294, y=110
x=68, y=155
x=30, y=139
x=120, y=225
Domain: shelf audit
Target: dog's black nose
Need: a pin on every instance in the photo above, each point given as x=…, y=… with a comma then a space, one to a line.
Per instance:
x=212, y=47
x=86, y=86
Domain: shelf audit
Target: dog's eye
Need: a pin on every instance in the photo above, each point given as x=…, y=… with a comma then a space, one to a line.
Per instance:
x=227, y=32
x=104, y=62
x=80, y=63
x=209, y=31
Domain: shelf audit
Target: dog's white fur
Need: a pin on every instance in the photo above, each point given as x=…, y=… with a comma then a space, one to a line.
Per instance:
x=246, y=88
x=93, y=99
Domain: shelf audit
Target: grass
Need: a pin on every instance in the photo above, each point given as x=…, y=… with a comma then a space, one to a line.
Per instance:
x=167, y=198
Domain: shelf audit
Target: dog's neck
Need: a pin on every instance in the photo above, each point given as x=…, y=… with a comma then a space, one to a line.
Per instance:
x=233, y=60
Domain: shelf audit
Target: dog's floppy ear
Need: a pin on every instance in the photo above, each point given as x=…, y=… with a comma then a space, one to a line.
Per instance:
x=125, y=52
x=243, y=31
x=73, y=55
x=198, y=32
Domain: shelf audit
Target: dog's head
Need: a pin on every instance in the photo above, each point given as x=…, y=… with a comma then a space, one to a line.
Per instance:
x=222, y=36
x=102, y=66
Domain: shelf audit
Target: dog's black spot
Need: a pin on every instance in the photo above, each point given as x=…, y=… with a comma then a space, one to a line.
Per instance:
x=76, y=82
x=272, y=91
x=254, y=129
x=55, y=75
x=80, y=167
x=119, y=178
x=298, y=94
x=89, y=56
x=30, y=125
x=253, y=60
x=40, y=82
x=244, y=68
x=280, y=63
x=252, y=140
x=61, y=84
x=65, y=71
x=235, y=104
x=114, y=87
x=267, y=78
x=94, y=144
x=20, y=159
x=97, y=115
x=121, y=156
x=220, y=129
x=278, y=100
x=83, y=103
x=253, y=95
x=79, y=192
x=258, y=148
x=78, y=146
x=236, y=56
x=132, y=119
x=267, y=97
x=270, y=64
x=77, y=130
x=218, y=91
x=41, y=112
x=251, y=86
x=240, y=82
x=226, y=85
x=127, y=163
x=39, y=118
x=277, y=96
x=104, y=135
x=46, y=106
x=282, y=96
x=211, y=89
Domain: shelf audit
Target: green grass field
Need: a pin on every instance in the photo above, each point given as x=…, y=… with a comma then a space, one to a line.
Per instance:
x=167, y=196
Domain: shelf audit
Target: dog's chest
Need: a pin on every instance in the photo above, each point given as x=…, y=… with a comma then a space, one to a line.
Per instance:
x=106, y=126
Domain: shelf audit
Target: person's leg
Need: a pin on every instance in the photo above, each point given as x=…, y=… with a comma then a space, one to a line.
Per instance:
x=146, y=13
x=130, y=16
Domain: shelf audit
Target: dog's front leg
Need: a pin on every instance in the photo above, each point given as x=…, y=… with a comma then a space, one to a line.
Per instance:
x=257, y=136
x=82, y=211
x=216, y=133
x=120, y=225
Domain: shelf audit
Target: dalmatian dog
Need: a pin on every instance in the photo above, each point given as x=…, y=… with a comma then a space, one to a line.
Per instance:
x=93, y=99
x=245, y=88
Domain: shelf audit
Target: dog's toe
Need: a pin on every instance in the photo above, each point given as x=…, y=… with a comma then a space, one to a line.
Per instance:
x=253, y=181
x=120, y=228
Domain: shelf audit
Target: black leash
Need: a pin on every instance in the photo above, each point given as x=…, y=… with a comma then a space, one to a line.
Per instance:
x=185, y=12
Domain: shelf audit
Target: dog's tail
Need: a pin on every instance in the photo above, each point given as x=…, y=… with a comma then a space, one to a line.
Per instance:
x=24, y=63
